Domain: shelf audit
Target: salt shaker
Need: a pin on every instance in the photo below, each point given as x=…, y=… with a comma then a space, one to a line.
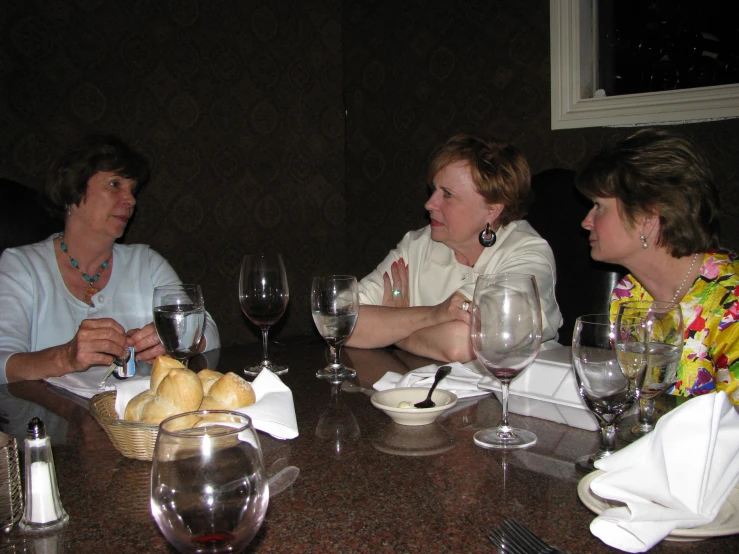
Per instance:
x=43, y=509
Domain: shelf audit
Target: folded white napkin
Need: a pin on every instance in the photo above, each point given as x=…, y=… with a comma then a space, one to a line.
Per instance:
x=85, y=383
x=462, y=380
x=677, y=476
x=273, y=412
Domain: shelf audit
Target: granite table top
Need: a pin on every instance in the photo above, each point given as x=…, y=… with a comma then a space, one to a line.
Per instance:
x=364, y=483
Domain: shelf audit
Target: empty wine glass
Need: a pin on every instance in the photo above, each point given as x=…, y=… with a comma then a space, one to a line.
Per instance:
x=179, y=319
x=506, y=336
x=263, y=294
x=209, y=490
x=602, y=384
x=666, y=336
x=335, y=305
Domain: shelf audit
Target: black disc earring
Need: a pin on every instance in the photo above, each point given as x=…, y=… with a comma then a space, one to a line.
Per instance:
x=487, y=236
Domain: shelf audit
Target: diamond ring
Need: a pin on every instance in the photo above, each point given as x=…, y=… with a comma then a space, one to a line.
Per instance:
x=396, y=292
x=465, y=306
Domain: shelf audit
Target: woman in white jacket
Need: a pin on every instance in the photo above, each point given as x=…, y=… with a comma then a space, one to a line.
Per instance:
x=419, y=297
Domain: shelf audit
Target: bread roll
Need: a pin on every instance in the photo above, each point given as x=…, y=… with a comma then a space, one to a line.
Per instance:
x=136, y=405
x=210, y=403
x=160, y=368
x=157, y=410
x=182, y=389
x=233, y=392
x=208, y=377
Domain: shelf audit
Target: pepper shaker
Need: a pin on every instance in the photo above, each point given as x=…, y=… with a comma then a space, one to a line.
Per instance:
x=43, y=509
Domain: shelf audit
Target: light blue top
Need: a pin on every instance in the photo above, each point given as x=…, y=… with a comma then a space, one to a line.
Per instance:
x=37, y=311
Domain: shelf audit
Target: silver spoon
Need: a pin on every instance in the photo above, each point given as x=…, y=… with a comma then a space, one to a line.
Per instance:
x=442, y=372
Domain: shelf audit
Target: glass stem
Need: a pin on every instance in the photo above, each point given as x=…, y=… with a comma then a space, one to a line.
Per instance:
x=607, y=439
x=647, y=412
x=265, y=332
x=504, y=390
x=335, y=354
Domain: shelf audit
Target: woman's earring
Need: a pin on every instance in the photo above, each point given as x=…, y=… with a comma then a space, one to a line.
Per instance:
x=487, y=236
x=644, y=243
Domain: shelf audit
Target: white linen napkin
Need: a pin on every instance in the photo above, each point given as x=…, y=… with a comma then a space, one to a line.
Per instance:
x=272, y=413
x=462, y=380
x=677, y=476
x=85, y=383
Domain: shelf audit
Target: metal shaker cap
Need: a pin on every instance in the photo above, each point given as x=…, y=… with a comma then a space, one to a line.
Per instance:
x=36, y=429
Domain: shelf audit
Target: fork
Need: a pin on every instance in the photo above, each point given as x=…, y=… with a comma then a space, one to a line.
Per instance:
x=516, y=538
x=505, y=546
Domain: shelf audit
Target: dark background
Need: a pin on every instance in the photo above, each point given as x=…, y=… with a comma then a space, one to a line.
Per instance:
x=300, y=126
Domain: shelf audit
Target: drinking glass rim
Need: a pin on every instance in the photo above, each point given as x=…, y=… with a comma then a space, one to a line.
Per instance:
x=226, y=428
x=337, y=277
x=176, y=286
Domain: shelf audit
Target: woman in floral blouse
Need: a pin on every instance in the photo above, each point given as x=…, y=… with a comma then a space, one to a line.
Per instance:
x=655, y=212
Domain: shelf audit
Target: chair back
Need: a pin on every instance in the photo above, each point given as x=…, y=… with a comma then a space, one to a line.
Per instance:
x=583, y=286
x=23, y=218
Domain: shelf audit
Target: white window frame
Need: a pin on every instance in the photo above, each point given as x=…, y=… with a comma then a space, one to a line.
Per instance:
x=573, y=42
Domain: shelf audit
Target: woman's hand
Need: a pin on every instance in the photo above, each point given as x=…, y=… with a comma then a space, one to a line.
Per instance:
x=146, y=343
x=97, y=342
x=456, y=307
x=396, y=293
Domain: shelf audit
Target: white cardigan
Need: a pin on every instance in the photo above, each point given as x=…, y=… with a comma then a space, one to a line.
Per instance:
x=37, y=311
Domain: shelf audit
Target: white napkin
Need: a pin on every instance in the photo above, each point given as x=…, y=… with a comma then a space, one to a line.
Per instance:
x=677, y=476
x=462, y=380
x=85, y=383
x=273, y=412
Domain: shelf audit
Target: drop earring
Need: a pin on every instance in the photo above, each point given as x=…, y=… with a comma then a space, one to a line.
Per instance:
x=487, y=236
x=644, y=243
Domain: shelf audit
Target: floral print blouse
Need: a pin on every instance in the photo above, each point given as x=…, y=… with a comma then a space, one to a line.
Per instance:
x=710, y=359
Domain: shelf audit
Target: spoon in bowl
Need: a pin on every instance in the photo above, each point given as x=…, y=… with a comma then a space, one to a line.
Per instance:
x=442, y=372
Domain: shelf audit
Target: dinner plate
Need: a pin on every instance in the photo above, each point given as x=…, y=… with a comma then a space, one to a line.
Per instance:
x=725, y=523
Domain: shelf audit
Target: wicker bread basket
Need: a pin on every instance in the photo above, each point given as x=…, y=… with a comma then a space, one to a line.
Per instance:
x=131, y=438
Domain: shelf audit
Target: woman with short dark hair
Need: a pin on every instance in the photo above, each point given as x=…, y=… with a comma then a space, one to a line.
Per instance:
x=78, y=299
x=419, y=297
x=656, y=213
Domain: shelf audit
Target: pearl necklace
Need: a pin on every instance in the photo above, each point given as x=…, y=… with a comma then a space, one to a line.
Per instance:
x=692, y=264
x=90, y=291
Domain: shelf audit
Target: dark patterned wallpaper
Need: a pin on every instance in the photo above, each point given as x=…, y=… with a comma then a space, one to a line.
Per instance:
x=415, y=72
x=241, y=104
x=237, y=103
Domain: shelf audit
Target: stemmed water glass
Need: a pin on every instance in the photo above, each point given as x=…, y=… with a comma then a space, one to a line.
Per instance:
x=263, y=295
x=602, y=384
x=179, y=319
x=666, y=336
x=506, y=336
x=335, y=305
x=209, y=490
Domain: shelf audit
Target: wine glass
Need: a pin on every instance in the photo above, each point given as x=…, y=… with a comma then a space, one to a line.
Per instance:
x=209, y=490
x=263, y=294
x=179, y=319
x=335, y=305
x=666, y=336
x=506, y=336
x=602, y=384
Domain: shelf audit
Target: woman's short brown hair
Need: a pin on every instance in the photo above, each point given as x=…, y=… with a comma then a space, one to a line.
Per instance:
x=66, y=183
x=656, y=171
x=499, y=170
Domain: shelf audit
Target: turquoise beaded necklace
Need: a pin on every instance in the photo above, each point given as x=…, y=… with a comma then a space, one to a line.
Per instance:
x=91, y=290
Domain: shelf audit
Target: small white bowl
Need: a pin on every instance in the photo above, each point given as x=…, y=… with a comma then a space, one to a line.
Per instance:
x=388, y=401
